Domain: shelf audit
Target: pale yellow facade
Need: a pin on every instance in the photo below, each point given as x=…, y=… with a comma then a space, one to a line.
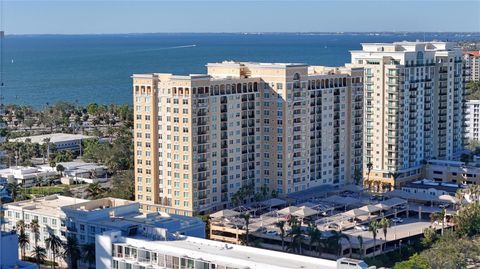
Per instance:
x=244, y=127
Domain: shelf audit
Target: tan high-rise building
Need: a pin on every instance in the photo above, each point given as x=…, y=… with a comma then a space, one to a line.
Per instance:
x=414, y=108
x=244, y=130
x=472, y=65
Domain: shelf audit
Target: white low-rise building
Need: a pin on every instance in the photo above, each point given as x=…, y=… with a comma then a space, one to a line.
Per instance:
x=25, y=175
x=46, y=210
x=85, y=220
x=61, y=141
x=78, y=172
x=472, y=120
x=137, y=252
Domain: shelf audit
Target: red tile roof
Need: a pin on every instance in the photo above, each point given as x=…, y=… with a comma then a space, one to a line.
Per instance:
x=472, y=53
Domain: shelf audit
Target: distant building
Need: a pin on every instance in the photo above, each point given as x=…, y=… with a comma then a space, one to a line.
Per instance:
x=115, y=251
x=451, y=172
x=47, y=210
x=25, y=175
x=414, y=97
x=432, y=188
x=473, y=120
x=276, y=128
x=78, y=171
x=472, y=65
x=61, y=141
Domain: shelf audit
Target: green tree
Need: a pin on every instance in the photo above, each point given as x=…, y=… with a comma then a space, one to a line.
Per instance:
x=360, y=244
x=71, y=252
x=88, y=255
x=295, y=234
x=61, y=169
x=123, y=186
x=373, y=227
x=23, y=241
x=13, y=188
x=473, y=90
x=440, y=217
x=39, y=254
x=95, y=190
x=385, y=224
x=35, y=230
x=315, y=236
x=429, y=236
x=246, y=218
x=54, y=244
x=281, y=225
x=467, y=220
x=414, y=262
x=92, y=108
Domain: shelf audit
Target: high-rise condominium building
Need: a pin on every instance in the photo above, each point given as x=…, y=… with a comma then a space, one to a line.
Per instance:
x=414, y=94
x=472, y=65
x=206, y=142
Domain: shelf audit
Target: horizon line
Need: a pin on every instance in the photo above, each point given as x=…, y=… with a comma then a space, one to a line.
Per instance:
x=250, y=33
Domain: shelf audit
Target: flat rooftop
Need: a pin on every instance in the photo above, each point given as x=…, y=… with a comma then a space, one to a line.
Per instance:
x=48, y=205
x=233, y=255
x=54, y=138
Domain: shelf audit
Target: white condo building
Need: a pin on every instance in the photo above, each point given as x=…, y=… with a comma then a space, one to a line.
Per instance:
x=46, y=210
x=414, y=108
x=473, y=120
x=114, y=251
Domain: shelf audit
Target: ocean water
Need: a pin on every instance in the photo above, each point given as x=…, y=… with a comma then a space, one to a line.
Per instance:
x=43, y=69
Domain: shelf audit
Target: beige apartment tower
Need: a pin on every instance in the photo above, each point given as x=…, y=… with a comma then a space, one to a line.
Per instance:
x=244, y=131
x=414, y=108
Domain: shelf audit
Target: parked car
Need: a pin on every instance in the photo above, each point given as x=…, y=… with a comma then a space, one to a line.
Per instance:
x=397, y=220
x=361, y=228
x=443, y=205
x=333, y=226
x=271, y=233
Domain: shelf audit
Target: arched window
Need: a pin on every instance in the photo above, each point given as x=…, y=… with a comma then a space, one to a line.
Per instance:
x=296, y=76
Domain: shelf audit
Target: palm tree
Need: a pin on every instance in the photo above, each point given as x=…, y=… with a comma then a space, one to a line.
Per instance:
x=35, y=229
x=335, y=242
x=295, y=234
x=439, y=216
x=54, y=244
x=95, y=190
x=88, y=254
x=369, y=169
x=373, y=227
x=246, y=217
x=20, y=226
x=60, y=168
x=281, y=226
x=23, y=242
x=14, y=189
x=460, y=195
x=360, y=243
x=315, y=236
x=71, y=251
x=394, y=175
x=39, y=254
x=385, y=224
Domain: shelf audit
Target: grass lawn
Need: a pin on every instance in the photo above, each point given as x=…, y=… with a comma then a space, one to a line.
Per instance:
x=44, y=190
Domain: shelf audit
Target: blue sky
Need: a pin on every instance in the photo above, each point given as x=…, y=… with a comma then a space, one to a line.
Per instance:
x=136, y=16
